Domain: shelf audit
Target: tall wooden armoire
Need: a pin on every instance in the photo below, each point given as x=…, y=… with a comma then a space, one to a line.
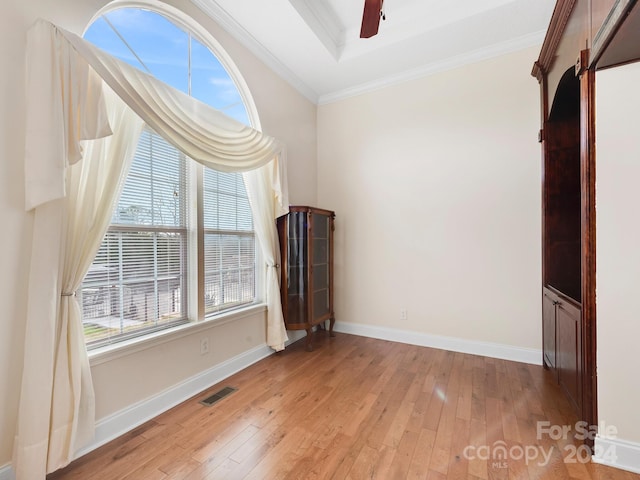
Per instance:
x=583, y=36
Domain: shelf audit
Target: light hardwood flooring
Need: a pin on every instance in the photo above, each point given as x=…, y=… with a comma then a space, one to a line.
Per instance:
x=358, y=408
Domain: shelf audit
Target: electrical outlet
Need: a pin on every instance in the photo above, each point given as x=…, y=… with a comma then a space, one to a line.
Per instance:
x=403, y=314
x=204, y=345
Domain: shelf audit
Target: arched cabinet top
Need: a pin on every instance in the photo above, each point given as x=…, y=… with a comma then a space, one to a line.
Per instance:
x=567, y=36
x=608, y=30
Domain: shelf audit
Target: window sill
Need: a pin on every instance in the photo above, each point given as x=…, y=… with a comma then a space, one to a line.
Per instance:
x=129, y=347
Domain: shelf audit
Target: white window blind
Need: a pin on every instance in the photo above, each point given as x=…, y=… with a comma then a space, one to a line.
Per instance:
x=229, y=243
x=137, y=282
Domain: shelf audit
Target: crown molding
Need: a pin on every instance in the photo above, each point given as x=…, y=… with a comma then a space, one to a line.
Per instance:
x=503, y=48
x=323, y=23
x=229, y=24
x=559, y=20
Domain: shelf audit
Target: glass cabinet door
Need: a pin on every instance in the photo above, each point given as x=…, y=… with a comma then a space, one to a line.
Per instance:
x=297, y=267
x=320, y=268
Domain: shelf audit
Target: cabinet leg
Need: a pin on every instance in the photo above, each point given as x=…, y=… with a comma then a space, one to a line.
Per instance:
x=332, y=321
x=309, y=340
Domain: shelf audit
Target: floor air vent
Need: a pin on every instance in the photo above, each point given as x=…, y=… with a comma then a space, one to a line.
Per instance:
x=218, y=396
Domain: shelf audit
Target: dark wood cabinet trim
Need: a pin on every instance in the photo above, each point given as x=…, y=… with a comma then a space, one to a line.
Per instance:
x=559, y=19
x=617, y=42
x=609, y=28
x=588, y=201
x=544, y=113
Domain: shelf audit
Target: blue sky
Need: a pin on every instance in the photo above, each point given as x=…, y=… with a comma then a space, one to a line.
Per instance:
x=164, y=50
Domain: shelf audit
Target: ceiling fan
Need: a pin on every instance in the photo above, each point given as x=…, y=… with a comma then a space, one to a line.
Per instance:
x=371, y=16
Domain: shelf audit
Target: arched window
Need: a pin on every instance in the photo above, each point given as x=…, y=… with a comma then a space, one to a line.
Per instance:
x=181, y=245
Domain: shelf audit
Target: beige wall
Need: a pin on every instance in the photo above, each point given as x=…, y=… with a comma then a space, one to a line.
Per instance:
x=436, y=185
x=618, y=252
x=118, y=382
x=283, y=112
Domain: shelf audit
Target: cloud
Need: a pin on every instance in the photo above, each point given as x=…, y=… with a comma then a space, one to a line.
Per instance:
x=222, y=82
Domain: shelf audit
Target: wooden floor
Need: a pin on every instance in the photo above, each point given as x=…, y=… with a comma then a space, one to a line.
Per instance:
x=359, y=408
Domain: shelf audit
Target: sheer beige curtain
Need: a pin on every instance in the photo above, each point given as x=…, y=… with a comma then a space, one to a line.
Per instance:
x=269, y=201
x=71, y=185
x=72, y=202
x=67, y=235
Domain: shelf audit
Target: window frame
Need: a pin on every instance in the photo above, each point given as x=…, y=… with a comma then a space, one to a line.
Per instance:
x=197, y=318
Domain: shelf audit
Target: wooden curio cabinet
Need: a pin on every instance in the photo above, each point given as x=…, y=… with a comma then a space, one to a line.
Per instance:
x=306, y=287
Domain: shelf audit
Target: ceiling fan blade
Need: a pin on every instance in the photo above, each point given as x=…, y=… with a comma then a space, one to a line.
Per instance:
x=370, y=18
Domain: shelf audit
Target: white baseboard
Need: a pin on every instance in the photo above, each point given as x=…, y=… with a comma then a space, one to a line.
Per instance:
x=617, y=453
x=6, y=473
x=119, y=423
x=494, y=350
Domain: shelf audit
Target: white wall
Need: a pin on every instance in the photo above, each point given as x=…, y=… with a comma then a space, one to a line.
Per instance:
x=618, y=248
x=436, y=188
x=284, y=113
